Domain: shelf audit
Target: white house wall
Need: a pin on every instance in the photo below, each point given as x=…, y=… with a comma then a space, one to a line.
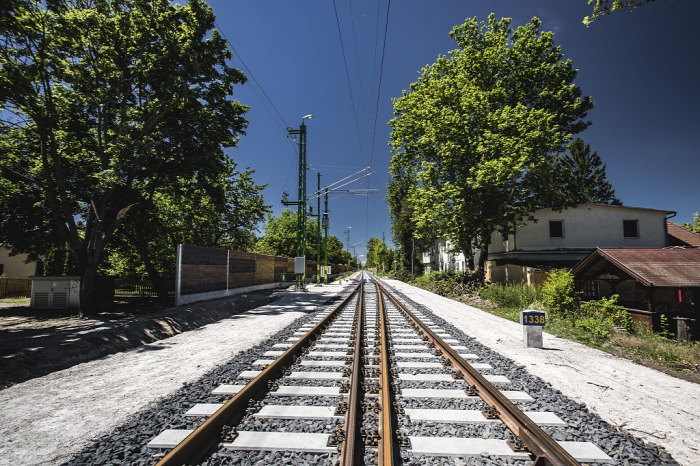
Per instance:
x=587, y=226
x=14, y=266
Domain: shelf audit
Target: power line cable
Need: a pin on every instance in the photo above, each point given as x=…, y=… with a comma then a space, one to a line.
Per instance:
x=357, y=57
x=381, y=74
x=257, y=88
x=347, y=75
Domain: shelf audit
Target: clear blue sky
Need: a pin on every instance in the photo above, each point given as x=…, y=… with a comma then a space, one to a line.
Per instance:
x=640, y=68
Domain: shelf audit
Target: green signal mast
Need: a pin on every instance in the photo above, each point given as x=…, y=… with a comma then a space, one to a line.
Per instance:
x=300, y=260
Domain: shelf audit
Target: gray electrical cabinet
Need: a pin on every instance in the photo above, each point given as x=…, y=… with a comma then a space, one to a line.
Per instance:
x=55, y=292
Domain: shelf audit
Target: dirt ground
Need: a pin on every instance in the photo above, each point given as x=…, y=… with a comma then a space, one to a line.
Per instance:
x=35, y=342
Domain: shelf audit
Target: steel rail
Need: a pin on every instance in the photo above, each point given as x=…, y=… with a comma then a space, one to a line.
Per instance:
x=208, y=434
x=546, y=450
x=387, y=443
x=352, y=424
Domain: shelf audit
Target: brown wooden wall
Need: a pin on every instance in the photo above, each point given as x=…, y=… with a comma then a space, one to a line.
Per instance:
x=205, y=269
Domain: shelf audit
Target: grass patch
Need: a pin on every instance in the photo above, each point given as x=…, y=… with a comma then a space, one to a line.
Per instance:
x=677, y=355
x=509, y=296
x=18, y=301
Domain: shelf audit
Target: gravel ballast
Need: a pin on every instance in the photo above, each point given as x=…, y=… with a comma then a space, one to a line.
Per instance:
x=633, y=399
x=122, y=401
x=49, y=419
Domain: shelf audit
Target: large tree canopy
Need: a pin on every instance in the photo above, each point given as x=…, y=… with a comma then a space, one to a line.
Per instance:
x=478, y=132
x=105, y=103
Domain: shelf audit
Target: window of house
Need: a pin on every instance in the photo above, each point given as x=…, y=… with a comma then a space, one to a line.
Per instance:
x=556, y=228
x=630, y=228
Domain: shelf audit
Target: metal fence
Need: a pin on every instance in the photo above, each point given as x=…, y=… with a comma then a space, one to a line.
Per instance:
x=141, y=287
x=15, y=288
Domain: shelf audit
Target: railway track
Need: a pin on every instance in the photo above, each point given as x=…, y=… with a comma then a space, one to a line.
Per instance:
x=372, y=382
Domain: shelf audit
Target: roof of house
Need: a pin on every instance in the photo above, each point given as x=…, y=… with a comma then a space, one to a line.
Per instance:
x=614, y=207
x=668, y=267
x=679, y=236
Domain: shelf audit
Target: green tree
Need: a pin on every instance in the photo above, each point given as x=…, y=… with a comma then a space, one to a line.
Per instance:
x=280, y=239
x=374, y=248
x=582, y=176
x=222, y=214
x=478, y=132
x=109, y=96
x=694, y=227
x=336, y=253
x=605, y=7
x=405, y=230
x=379, y=255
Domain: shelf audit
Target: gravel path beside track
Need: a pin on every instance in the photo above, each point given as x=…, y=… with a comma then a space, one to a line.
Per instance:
x=48, y=419
x=649, y=404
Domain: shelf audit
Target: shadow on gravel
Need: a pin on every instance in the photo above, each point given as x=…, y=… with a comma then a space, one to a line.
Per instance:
x=35, y=343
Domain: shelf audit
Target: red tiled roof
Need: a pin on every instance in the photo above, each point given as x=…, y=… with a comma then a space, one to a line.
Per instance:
x=682, y=236
x=670, y=267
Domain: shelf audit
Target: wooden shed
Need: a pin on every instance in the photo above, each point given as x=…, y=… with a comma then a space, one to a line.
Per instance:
x=652, y=281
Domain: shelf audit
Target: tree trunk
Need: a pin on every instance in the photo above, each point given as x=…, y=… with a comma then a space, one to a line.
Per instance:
x=88, y=281
x=483, y=255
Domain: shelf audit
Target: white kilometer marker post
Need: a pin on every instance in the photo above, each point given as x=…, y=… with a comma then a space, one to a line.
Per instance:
x=532, y=322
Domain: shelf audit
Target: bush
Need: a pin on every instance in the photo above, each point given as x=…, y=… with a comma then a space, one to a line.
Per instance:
x=514, y=296
x=449, y=284
x=558, y=295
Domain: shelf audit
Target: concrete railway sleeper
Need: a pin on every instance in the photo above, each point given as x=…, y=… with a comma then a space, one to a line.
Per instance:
x=363, y=385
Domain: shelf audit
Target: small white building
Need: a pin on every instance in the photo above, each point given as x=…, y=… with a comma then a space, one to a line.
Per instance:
x=443, y=257
x=562, y=239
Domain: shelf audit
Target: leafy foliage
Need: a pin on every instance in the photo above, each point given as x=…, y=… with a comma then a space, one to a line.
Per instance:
x=582, y=176
x=600, y=317
x=515, y=296
x=280, y=239
x=695, y=226
x=449, y=284
x=605, y=7
x=108, y=105
x=559, y=296
x=474, y=138
x=379, y=255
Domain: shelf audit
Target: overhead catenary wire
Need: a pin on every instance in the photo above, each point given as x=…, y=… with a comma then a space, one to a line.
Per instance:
x=262, y=96
x=256, y=87
x=347, y=75
x=381, y=74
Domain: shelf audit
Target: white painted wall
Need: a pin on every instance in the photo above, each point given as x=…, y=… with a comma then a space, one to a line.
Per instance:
x=14, y=266
x=587, y=226
x=441, y=257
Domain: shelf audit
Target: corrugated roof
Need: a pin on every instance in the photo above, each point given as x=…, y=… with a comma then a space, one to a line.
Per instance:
x=682, y=236
x=671, y=267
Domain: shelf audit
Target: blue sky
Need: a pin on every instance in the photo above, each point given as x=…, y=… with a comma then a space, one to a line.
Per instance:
x=640, y=68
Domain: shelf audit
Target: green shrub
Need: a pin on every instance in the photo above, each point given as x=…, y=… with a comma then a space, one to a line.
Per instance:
x=558, y=295
x=514, y=296
x=599, y=318
x=448, y=284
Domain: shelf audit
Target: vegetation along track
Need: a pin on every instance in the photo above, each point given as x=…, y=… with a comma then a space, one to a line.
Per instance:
x=372, y=382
